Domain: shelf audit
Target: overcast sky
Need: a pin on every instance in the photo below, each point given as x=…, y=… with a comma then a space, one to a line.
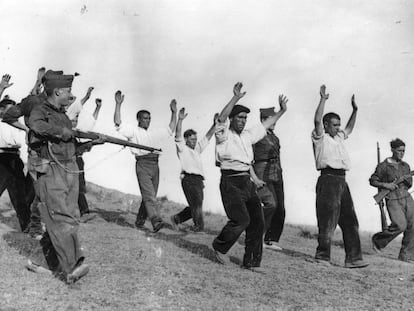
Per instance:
x=194, y=51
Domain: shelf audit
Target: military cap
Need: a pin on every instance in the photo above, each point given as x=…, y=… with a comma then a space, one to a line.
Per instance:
x=237, y=109
x=56, y=79
x=267, y=112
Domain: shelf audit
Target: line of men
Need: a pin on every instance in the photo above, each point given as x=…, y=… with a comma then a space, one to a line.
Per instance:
x=251, y=176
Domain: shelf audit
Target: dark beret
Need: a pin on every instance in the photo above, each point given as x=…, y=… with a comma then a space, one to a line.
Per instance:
x=237, y=109
x=396, y=143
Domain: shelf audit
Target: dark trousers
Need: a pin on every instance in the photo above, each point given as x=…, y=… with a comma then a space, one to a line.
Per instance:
x=148, y=175
x=13, y=179
x=273, y=198
x=59, y=193
x=83, y=204
x=401, y=212
x=244, y=211
x=193, y=190
x=334, y=206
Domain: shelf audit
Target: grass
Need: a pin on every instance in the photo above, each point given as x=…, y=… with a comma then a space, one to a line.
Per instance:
x=137, y=270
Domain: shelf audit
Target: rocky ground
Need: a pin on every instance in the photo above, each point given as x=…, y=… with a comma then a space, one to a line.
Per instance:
x=137, y=270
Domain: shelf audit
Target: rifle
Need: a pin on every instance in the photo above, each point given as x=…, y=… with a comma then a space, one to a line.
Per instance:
x=112, y=140
x=383, y=193
x=384, y=224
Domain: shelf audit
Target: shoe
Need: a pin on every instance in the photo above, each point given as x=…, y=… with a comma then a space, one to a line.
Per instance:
x=253, y=269
x=174, y=223
x=87, y=217
x=222, y=258
x=323, y=262
x=196, y=230
x=158, y=226
x=77, y=273
x=36, y=268
x=356, y=264
x=272, y=246
x=139, y=224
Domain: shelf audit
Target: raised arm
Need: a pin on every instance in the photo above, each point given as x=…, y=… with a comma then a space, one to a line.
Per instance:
x=98, y=103
x=37, y=88
x=87, y=95
x=181, y=116
x=351, y=122
x=119, y=98
x=173, y=120
x=273, y=119
x=237, y=95
x=211, y=130
x=5, y=83
x=319, y=111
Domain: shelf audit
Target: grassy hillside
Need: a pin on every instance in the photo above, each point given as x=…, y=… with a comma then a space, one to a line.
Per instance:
x=138, y=270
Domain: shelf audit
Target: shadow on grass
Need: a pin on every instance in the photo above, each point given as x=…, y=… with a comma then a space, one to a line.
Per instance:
x=178, y=238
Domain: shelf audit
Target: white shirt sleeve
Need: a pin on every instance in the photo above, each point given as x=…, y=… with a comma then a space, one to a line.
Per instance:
x=125, y=130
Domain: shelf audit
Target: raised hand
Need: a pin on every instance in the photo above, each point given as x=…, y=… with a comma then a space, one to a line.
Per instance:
x=181, y=114
x=354, y=105
x=41, y=73
x=215, y=118
x=237, y=90
x=282, y=102
x=119, y=97
x=173, y=106
x=323, y=92
x=89, y=91
x=98, y=102
x=5, y=81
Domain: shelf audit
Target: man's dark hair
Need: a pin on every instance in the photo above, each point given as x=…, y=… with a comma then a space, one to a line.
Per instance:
x=141, y=113
x=330, y=115
x=189, y=132
x=396, y=143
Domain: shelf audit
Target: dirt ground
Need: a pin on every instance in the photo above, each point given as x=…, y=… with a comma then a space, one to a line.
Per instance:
x=137, y=270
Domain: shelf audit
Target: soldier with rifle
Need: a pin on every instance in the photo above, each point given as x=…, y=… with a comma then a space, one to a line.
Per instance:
x=393, y=178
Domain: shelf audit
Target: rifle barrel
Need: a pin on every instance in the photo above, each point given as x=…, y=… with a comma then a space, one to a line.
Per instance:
x=113, y=140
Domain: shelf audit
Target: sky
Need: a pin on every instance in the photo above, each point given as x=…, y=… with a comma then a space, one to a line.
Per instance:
x=195, y=51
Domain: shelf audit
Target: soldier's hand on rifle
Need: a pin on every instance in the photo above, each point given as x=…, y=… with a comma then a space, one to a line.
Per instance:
x=119, y=97
x=181, y=114
x=323, y=92
x=354, y=105
x=67, y=134
x=282, y=102
x=5, y=82
x=173, y=106
x=237, y=90
x=100, y=140
x=98, y=102
x=390, y=186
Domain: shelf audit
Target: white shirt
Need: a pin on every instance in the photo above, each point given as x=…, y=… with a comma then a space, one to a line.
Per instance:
x=330, y=151
x=138, y=135
x=74, y=110
x=234, y=151
x=190, y=159
x=10, y=137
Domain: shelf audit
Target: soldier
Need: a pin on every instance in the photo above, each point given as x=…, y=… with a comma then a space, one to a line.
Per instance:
x=146, y=167
x=52, y=139
x=400, y=204
x=234, y=155
x=333, y=199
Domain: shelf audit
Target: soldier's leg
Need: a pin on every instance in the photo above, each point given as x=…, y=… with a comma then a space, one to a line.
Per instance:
x=407, y=244
x=59, y=192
